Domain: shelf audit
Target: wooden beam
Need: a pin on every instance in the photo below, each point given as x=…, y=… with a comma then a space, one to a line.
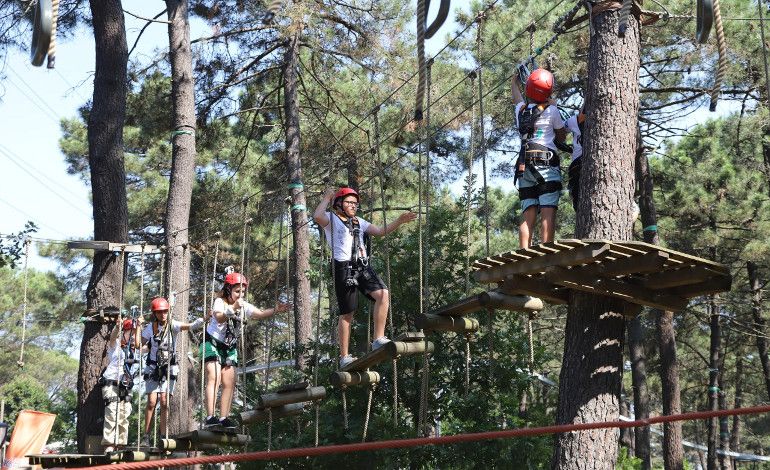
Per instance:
x=461, y=307
x=613, y=288
x=636, y=264
x=517, y=303
x=679, y=277
x=258, y=416
x=447, y=323
x=203, y=436
x=271, y=400
x=579, y=255
x=292, y=387
x=390, y=350
x=537, y=287
x=354, y=378
x=714, y=285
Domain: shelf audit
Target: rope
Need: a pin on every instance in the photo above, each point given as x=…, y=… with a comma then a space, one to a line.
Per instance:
x=141, y=365
x=345, y=425
x=368, y=412
x=490, y=343
x=482, y=139
x=722, y=48
x=269, y=332
x=321, y=261
x=428, y=185
x=20, y=362
x=469, y=190
x=531, y=344
x=760, y=5
x=425, y=441
x=269, y=428
x=54, y=24
x=467, y=364
x=421, y=20
x=242, y=345
x=161, y=292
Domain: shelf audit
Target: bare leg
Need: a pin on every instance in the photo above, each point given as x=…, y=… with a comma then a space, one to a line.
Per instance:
x=380, y=311
x=149, y=411
x=163, y=413
x=343, y=332
x=527, y=226
x=548, y=223
x=213, y=370
x=228, y=388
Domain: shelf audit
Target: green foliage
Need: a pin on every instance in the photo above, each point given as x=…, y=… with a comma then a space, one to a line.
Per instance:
x=23, y=393
x=626, y=462
x=12, y=246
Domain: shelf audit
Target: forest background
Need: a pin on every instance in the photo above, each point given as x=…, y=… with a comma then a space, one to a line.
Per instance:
x=712, y=181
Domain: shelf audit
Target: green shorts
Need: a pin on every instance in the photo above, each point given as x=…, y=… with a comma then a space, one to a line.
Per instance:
x=214, y=350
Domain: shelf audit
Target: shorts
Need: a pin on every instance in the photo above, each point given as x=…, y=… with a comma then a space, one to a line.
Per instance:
x=217, y=351
x=151, y=385
x=347, y=296
x=544, y=194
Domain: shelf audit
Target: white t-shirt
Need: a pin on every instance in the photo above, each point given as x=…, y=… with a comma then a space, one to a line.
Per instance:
x=117, y=357
x=217, y=330
x=343, y=239
x=147, y=335
x=546, y=123
x=577, y=139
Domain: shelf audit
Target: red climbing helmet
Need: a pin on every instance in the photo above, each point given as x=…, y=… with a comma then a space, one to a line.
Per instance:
x=128, y=324
x=236, y=278
x=539, y=85
x=159, y=303
x=343, y=192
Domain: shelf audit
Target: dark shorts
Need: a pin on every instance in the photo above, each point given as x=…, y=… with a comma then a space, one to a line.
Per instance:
x=347, y=296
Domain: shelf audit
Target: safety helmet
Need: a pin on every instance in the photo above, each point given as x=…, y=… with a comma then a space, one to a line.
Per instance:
x=128, y=324
x=236, y=278
x=344, y=192
x=159, y=303
x=539, y=85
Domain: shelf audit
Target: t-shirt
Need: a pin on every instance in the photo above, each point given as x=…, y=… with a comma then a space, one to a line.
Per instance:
x=217, y=330
x=343, y=238
x=577, y=137
x=147, y=336
x=117, y=357
x=546, y=123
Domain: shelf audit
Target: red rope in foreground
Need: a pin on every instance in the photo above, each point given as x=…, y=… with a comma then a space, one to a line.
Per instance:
x=423, y=441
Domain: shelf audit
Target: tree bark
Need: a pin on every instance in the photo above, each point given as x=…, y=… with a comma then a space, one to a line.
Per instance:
x=302, y=305
x=108, y=189
x=759, y=321
x=641, y=396
x=626, y=434
x=713, y=391
x=179, y=201
x=590, y=377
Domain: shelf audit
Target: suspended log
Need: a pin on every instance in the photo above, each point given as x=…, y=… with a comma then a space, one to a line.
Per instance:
x=354, y=378
x=271, y=400
x=283, y=411
x=447, y=323
x=461, y=307
x=292, y=387
x=184, y=445
x=524, y=303
x=204, y=436
x=403, y=346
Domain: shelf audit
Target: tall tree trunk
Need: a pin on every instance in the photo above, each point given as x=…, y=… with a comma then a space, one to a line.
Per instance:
x=108, y=189
x=626, y=434
x=641, y=397
x=179, y=201
x=713, y=391
x=302, y=306
x=759, y=321
x=673, y=452
x=589, y=388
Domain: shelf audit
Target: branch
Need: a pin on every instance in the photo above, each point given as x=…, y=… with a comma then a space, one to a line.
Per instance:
x=149, y=20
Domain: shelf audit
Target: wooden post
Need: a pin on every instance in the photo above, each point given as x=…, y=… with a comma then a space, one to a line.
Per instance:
x=354, y=378
x=447, y=323
x=258, y=416
x=272, y=400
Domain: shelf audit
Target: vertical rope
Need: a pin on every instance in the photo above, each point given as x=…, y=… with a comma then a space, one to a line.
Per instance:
x=119, y=326
x=722, y=48
x=242, y=345
x=169, y=331
x=531, y=344
x=467, y=364
x=20, y=362
x=271, y=325
x=345, y=425
x=161, y=291
x=139, y=353
x=316, y=352
x=482, y=137
x=761, y=6
x=469, y=189
x=205, y=326
x=368, y=412
x=54, y=26
x=428, y=183
x=269, y=428
x=421, y=22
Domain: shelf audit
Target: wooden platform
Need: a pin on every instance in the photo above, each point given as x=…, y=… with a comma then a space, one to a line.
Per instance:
x=87, y=460
x=637, y=272
x=406, y=344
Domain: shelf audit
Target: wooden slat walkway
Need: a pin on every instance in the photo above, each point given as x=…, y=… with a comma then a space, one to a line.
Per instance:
x=637, y=272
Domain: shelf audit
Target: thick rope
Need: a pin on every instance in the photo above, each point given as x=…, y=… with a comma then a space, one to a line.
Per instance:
x=271, y=326
x=269, y=428
x=722, y=48
x=368, y=412
x=345, y=424
x=761, y=6
x=161, y=292
x=20, y=362
x=482, y=136
x=316, y=352
x=469, y=189
x=425, y=441
x=428, y=185
x=531, y=344
x=205, y=326
x=139, y=352
x=421, y=20
x=54, y=25
x=467, y=364
x=242, y=344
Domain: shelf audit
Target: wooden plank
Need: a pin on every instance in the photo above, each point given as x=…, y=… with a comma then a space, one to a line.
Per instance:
x=637, y=264
x=515, y=303
x=612, y=288
x=271, y=400
x=537, y=287
x=680, y=277
x=461, y=307
x=673, y=254
x=714, y=285
x=354, y=378
x=205, y=436
x=390, y=350
x=410, y=336
x=447, y=323
x=370, y=359
x=581, y=255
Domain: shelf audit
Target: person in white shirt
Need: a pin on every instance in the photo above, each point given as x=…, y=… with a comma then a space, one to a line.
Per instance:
x=352, y=272
x=220, y=351
x=575, y=125
x=117, y=382
x=161, y=370
x=538, y=169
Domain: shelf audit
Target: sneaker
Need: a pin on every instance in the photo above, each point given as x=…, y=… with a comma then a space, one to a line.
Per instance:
x=227, y=423
x=109, y=449
x=380, y=342
x=346, y=361
x=211, y=421
x=145, y=441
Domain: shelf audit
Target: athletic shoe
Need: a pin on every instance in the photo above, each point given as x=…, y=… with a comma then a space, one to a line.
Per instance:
x=145, y=441
x=227, y=423
x=346, y=361
x=211, y=421
x=380, y=342
x=109, y=449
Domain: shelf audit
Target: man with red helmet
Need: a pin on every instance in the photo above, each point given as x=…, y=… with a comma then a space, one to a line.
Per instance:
x=117, y=380
x=161, y=369
x=538, y=171
x=352, y=272
x=220, y=351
